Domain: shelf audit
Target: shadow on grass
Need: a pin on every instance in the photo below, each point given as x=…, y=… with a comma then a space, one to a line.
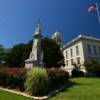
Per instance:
x=71, y=85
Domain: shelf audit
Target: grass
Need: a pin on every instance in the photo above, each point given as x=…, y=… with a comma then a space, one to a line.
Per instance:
x=82, y=89
x=10, y=96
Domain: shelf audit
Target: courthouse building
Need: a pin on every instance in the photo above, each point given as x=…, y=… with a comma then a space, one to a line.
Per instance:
x=79, y=50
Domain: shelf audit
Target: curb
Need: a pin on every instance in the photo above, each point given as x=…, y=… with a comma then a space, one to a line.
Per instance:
x=34, y=97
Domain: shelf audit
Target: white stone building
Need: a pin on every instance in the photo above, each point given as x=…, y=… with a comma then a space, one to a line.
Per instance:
x=79, y=50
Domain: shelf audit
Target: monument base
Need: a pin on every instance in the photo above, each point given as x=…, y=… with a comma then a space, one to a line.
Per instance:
x=32, y=63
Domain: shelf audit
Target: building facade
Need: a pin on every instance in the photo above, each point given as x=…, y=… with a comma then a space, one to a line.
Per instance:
x=79, y=50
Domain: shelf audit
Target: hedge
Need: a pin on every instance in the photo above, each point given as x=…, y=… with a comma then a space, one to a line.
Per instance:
x=57, y=76
x=13, y=77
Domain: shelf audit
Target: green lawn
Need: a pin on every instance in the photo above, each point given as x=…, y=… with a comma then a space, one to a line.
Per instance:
x=9, y=96
x=82, y=89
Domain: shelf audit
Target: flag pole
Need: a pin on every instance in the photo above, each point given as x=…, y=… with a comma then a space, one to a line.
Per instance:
x=98, y=13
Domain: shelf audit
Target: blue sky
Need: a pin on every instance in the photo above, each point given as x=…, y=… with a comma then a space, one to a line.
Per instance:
x=70, y=17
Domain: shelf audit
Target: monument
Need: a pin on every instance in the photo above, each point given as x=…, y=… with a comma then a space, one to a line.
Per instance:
x=36, y=55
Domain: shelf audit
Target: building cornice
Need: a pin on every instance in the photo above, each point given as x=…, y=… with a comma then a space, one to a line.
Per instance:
x=80, y=37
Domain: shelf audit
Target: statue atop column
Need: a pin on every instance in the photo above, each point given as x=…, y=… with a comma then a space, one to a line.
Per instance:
x=36, y=55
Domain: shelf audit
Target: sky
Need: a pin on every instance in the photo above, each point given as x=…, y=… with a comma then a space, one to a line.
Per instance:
x=70, y=17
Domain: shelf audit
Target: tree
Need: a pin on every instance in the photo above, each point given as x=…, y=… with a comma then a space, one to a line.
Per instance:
x=2, y=53
x=53, y=56
x=93, y=67
x=26, y=53
x=16, y=56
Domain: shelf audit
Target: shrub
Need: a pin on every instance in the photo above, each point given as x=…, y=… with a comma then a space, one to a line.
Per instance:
x=77, y=73
x=92, y=67
x=57, y=77
x=37, y=82
x=12, y=77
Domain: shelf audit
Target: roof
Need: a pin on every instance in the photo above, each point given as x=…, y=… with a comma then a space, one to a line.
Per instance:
x=81, y=37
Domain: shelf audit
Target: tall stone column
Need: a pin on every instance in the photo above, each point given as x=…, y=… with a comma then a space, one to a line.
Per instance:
x=36, y=55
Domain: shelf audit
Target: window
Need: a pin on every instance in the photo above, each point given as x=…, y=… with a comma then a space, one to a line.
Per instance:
x=72, y=61
x=78, y=60
x=71, y=52
x=67, y=63
x=94, y=50
x=99, y=50
x=89, y=49
x=77, y=50
x=66, y=54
